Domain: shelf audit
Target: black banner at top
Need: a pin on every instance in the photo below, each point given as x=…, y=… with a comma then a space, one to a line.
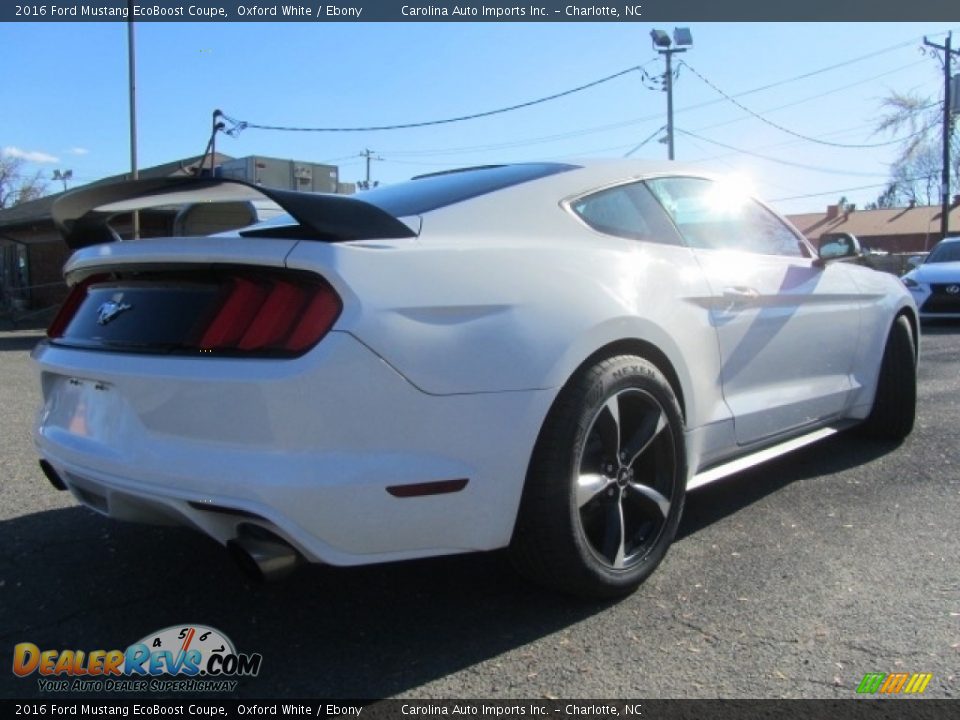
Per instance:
x=517, y=709
x=477, y=10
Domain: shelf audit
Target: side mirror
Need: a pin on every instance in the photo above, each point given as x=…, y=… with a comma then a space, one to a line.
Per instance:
x=840, y=247
x=915, y=261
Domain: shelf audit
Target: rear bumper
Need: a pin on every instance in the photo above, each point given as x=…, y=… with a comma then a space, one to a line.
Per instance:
x=305, y=447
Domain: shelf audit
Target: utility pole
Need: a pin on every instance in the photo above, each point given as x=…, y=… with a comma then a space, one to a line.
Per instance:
x=948, y=54
x=369, y=155
x=664, y=45
x=668, y=80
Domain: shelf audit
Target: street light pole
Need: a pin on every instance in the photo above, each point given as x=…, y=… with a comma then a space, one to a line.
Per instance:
x=663, y=45
x=668, y=80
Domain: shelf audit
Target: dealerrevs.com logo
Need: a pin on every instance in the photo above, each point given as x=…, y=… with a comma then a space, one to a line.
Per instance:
x=177, y=658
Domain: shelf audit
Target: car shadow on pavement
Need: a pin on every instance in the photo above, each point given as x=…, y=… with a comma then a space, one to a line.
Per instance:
x=71, y=579
x=711, y=503
x=939, y=327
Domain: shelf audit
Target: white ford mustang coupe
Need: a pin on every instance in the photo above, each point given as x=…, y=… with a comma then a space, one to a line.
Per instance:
x=540, y=357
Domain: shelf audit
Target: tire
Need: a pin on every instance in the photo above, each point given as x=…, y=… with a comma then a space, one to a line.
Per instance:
x=606, y=482
x=895, y=404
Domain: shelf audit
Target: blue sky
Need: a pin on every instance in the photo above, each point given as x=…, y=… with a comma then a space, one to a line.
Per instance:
x=65, y=95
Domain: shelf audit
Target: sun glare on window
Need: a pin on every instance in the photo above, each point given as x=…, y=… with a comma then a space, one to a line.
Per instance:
x=729, y=195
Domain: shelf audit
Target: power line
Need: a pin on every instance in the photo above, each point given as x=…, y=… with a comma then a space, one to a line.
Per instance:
x=806, y=75
x=828, y=192
x=644, y=142
x=817, y=96
x=647, y=118
x=832, y=171
x=331, y=161
x=781, y=128
x=843, y=190
x=835, y=66
x=720, y=158
x=788, y=143
x=526, y=141
x=240, y=125
x=761, y=156
x=439, y=163
x=625, y=123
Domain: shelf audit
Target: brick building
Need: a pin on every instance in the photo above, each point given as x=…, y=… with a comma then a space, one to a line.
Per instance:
x=32, y=253
x=911, y=229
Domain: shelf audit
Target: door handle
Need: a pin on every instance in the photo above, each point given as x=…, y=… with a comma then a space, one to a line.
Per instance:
x=736, y=298
x=740, y=294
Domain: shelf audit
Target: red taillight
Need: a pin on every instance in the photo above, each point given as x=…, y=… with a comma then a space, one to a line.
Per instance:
x=285, y=315
x=320, y=312
x=70, y=306
x=242, y=303
x=275, y=318
x=235, y=312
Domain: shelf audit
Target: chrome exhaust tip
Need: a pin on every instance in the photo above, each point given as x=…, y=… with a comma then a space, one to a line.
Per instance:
x=262, y=556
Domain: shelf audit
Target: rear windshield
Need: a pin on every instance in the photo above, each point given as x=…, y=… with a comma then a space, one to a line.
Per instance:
x=423, y=194
x=430, y=192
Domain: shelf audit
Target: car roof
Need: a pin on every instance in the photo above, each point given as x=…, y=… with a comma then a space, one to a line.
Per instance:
x=506, y=183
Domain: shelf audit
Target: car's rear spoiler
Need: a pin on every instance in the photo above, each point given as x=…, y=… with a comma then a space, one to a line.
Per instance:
x=82, y=216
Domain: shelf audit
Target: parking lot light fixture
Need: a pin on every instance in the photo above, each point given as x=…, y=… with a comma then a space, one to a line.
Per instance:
x=682, y=40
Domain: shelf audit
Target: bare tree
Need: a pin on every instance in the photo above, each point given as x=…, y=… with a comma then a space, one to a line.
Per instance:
x=915, y=178
x=918, y=116
x=915, y=174
x=16, y=185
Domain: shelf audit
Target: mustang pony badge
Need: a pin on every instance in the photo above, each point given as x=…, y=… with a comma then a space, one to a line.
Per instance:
x=111, y=308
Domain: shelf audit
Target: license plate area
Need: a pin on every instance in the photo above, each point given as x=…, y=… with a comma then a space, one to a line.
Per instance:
x=83, y=407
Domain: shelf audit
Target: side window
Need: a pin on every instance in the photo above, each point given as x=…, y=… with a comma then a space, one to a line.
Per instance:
x=628, y=211
x=711, y=215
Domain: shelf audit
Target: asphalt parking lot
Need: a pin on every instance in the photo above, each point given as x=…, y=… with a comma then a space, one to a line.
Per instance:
x=790, y=580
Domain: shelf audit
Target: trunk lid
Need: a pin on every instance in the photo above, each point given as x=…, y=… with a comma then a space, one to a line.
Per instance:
x=226, y=296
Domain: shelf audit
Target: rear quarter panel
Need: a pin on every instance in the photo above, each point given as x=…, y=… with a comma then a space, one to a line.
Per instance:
x=509, y=313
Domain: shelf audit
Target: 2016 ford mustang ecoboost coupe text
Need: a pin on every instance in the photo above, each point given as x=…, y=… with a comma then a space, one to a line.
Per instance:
x=540, y=357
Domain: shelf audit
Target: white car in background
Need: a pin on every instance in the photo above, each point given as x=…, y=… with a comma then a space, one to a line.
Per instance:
x=935, y=283
x=543, y=357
